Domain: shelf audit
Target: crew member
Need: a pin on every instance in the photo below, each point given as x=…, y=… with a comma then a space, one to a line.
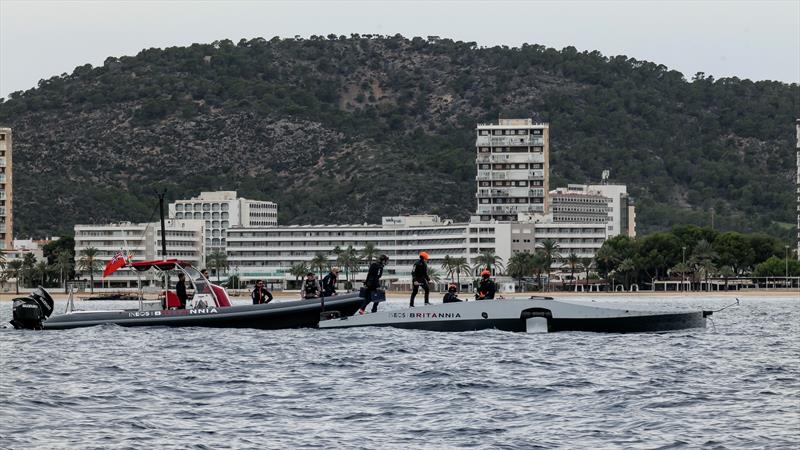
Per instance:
x=486, y=287
x=419, y=277
x=329, y=282
x=204, y=273
x=260, y=294
x=373, y=283
x=310, y=287
x=180, y=290
x=452, y=295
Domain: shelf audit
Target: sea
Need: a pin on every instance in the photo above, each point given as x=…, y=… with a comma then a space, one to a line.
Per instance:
x=733, y=385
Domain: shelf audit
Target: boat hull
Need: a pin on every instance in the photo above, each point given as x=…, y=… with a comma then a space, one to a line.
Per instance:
x=272, y=316
x=522, y=315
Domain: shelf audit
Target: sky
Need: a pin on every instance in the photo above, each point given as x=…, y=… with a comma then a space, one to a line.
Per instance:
x=748, y=39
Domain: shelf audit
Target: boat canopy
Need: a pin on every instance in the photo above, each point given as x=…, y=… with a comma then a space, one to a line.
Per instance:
x=162, y=264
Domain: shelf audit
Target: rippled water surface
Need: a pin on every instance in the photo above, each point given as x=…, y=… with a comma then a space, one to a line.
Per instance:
x=735, y=385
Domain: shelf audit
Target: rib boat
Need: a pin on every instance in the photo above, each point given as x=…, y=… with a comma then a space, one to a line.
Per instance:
x=535, y=314
x=210, y=306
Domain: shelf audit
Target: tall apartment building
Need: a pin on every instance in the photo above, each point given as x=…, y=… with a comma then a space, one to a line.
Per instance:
x=185, y=241
x=269, y=252
x=6, y=190
x=221, y=210
x=513, y=169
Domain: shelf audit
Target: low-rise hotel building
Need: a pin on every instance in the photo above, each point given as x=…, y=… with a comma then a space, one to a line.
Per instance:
x=142, y=241
x=269, y=252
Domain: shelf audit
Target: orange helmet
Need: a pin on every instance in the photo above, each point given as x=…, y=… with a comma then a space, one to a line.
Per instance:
x=486, y=273
x=424, y=255
x=452, y=287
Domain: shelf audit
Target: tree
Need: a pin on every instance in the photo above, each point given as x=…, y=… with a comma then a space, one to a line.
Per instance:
x=319, y=263
x=63, y=264
x=538, y=263
x=369, y=253
x=298, y=270
x=41, y=270
x=449, y=267
x=519, y=266
x=89, y=262
x=488, y=260
x=586, y=264
x=734, y=250
x=217, y=260
x=549, y=249
x=573, y=260
x=626, y=267
x=14, y=270
x=776, y=267
x=461, y=267
x=349, y=260
x=702, y=259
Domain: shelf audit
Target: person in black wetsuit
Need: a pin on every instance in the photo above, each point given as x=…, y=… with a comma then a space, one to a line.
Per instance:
x=486, y=287
x=180, y=290
x=329, y=282
x=452, y=295
x=419, y=278
x=260, y=294
x=310, y=287
x=373, y=282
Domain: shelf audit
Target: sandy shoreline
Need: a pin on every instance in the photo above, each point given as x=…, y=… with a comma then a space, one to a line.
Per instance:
x=6, y=296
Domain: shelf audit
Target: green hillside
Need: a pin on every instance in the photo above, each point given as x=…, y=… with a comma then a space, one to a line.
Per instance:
x=346, y=129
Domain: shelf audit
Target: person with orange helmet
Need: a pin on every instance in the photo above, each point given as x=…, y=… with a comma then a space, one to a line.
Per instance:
x=452, y=294
x=486, y=287
x=420, y=278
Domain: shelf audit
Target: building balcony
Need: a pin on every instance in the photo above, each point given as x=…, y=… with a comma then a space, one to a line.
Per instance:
x=508, y=141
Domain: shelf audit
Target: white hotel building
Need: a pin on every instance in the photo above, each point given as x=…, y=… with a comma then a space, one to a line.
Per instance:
x=269, y=252
x=221, y=210
x=185, y=241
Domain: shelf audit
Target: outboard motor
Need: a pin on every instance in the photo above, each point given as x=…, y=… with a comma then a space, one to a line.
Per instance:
x=31, y=311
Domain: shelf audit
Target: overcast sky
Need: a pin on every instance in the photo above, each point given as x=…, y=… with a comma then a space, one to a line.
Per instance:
x=748, y=39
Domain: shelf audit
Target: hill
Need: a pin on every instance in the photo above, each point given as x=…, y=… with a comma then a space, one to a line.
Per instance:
x=346, y=129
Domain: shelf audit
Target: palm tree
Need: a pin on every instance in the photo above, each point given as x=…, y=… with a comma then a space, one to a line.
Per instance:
x=461, y=266
x=724, y=271
x=319, y=263
x=64, y=266
x=14, y=270
x=448, y=266
x=682, y=269
x=586, y=263
x=298, y=270
x=488, y=260
x=607, y=258
x=433, y=274
x=519, y=266
x=28, y=266
x=702, y=258
x=369, y=253
x=89, y=262
x=41, y=269
x=349, y=260
x=626, y=266
x=218, y=260
x=538, y=265
x=549, y=249
x=572, y=261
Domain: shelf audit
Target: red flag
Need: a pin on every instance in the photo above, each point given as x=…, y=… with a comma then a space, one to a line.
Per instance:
x=116, y=262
